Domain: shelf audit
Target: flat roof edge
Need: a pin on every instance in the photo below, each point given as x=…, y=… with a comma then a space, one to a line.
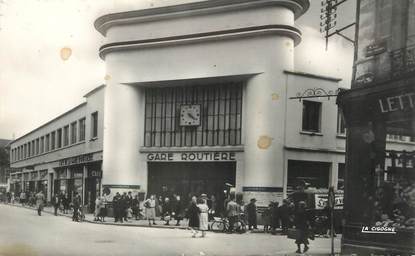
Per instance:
x=299, y=7
x=49, y=122
x=94, y=90
x=305, y=74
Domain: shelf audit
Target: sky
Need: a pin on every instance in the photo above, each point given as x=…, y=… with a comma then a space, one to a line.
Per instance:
x=49, y=54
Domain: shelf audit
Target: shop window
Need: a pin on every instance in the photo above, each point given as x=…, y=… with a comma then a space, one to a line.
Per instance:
x=311, y=116
x=341, y=127
x=82, y=129
x=340, y=176
x=193, y=116
x=393, y=203
x=66, y=135
x=73, y=132
x=314, y=174
x=396, y=137
x=94, y=125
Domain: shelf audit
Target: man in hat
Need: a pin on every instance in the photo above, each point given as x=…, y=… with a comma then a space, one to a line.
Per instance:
x=251, y=212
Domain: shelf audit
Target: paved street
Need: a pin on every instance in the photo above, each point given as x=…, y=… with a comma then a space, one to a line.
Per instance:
x=22, y=232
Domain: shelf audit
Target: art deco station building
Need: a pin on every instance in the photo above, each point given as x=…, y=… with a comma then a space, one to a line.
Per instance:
x=196, y=99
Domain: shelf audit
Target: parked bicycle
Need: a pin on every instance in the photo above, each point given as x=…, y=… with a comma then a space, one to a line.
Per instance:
x=221, y=224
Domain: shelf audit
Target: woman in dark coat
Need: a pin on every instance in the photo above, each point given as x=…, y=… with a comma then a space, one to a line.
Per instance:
x=193, y=216
x=251, y=212
x=301, y=221
x=178, y=210
x=136, y=207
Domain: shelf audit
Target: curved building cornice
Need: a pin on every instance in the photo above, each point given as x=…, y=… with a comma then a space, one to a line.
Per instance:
x=103, y=23
x=284, y=30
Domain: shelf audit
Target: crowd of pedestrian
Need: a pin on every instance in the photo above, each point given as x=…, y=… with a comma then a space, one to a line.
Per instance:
x=291, y=215
x=125, y=207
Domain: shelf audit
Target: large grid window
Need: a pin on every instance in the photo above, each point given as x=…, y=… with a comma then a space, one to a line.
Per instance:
x=311, y=116
x=220, y=121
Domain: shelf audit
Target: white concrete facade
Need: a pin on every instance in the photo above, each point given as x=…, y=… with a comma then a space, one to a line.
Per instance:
x=248, y=41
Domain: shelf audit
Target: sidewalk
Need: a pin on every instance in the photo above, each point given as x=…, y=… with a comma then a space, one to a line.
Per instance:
x=89, y=218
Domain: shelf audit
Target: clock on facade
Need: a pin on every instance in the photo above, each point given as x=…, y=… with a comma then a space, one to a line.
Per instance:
x=189, y=115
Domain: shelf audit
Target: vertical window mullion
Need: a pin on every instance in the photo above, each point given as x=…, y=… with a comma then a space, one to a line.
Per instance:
x=240, y=97
x=164, y=104
x=218, y=117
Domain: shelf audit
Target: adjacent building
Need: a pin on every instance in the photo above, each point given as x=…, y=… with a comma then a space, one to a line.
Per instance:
x=63, y=155
x=380, y=183
x=4, y=165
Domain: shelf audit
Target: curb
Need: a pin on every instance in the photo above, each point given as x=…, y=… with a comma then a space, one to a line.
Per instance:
x=103, y=223
x=124, y=225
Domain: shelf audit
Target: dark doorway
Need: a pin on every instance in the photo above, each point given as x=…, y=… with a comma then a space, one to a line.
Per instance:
x=92, y=190
x=315, y=174
x=189, y=179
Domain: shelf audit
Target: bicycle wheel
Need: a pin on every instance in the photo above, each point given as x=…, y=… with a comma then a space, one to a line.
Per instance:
x=240, y=227
x=217, y=226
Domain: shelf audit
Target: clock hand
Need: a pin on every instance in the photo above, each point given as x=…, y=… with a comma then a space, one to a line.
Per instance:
x=191, y=116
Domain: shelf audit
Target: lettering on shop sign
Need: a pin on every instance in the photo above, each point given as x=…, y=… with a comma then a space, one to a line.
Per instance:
x=192, y=156
x=95, y=173
x=43, y=174
x=76, y=160
x=397, y=103
x=322, y=199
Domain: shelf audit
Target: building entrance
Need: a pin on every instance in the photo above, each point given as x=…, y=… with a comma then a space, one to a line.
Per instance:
x=191, y=179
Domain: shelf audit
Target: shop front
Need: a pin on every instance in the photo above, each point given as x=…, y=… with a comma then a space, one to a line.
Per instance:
x=27, y=183
x=379, y=183
x=92, y=185
x=42, y=183
x=379, y=201
x=33, y=183
x=314, y=174
x=190, y=174
x=16, y=183
x=79, y=175
x=60, y=184
x=76, y=181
